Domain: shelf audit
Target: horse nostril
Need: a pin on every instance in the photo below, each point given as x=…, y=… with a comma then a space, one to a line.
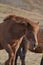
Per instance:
x=34, y=46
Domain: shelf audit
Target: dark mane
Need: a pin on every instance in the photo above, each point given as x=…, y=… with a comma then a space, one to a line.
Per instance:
x=8, y=17
x=18, y=19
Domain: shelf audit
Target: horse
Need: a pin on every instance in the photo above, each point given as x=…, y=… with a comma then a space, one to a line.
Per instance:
x=12, y=31
x=24, y=46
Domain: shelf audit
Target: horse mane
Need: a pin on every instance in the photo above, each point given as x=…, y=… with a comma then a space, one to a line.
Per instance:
x=19, y=19
x=8, y=18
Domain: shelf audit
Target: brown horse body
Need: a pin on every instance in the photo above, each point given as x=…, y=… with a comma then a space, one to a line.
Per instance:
x=12, y=32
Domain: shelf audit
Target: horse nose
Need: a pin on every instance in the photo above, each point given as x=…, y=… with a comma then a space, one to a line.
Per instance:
x=34, y=46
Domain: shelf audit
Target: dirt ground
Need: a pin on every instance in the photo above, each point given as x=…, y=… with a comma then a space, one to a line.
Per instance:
x=31, y=58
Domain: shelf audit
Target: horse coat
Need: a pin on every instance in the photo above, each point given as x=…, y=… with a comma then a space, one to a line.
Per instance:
x=12, y=32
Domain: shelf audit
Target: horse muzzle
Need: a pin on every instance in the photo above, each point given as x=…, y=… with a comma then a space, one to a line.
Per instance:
x=35, y=46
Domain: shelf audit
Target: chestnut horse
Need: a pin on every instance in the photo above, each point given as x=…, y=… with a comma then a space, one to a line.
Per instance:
x=12, y=32
x=24, y=46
